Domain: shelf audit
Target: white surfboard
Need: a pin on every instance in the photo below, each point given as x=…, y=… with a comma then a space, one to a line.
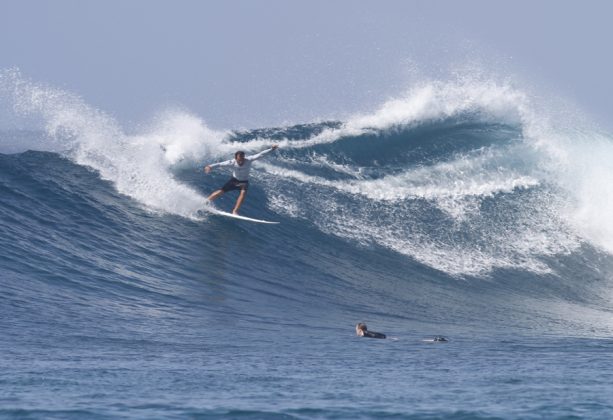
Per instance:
x=437, y=339
x=239, y=217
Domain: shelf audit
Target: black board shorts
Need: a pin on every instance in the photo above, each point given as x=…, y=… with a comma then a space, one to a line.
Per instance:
x=234, y=184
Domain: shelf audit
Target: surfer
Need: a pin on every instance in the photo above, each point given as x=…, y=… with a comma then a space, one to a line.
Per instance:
x=362, y=331
x=241, y=166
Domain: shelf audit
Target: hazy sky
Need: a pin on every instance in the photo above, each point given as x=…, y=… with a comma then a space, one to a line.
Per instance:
x=255, y=63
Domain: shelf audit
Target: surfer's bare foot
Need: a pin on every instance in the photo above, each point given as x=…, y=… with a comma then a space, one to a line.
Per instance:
x=235, y=212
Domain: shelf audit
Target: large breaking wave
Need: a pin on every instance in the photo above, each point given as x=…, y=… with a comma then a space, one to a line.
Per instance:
x=465, y=177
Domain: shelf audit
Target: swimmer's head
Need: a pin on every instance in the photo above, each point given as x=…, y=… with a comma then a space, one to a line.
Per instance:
x=360, y=328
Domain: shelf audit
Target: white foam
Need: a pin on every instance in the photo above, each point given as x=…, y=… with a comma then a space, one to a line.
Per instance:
x=479, y=175
x=474, y=245
x=586, y=175
x=138, y=165
x=553, y=221
x=440, y=100
x=434, y=101
x=183, y=136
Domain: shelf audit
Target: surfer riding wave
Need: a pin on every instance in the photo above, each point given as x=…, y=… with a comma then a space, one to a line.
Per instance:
x=241, y=166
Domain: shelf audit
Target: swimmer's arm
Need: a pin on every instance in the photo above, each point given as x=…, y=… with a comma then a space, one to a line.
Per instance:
x=373, y=334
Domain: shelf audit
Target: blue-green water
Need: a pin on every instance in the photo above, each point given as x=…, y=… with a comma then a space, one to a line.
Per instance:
x=123, y=297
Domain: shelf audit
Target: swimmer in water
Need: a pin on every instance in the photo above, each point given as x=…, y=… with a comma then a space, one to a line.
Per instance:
x=362, y=331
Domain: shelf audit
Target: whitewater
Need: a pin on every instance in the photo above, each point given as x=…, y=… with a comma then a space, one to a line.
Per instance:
x=466, y=208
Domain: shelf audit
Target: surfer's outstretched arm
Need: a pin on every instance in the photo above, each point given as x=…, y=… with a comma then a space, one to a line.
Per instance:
x=262, y=153
x=208, y=168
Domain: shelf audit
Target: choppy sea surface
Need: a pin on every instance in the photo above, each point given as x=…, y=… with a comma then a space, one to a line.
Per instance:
x=461, y=209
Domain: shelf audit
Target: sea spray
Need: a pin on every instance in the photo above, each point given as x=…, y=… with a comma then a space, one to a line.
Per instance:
x=139, y=165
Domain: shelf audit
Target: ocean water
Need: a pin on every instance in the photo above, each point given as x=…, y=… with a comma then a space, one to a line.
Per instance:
x=463, y=209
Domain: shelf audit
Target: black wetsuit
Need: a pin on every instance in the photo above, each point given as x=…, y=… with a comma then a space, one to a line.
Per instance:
x=372, y=334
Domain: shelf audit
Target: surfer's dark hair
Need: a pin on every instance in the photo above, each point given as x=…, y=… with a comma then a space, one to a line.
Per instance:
x=239, y=153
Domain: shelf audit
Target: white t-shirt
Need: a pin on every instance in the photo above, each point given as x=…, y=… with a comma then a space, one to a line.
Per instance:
x=241, y=172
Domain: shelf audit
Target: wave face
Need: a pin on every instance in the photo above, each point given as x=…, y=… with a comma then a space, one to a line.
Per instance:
x=457, y=208
x=465, y=179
